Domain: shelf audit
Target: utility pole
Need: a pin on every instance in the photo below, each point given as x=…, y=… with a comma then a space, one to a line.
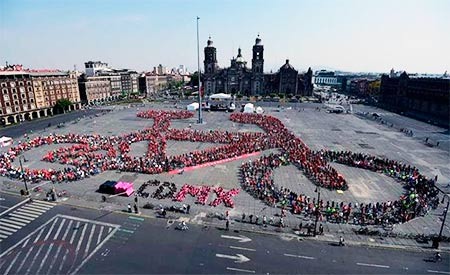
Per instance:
x=436, y=244
x=317, y=210
x=200, y=118
x=24, y=177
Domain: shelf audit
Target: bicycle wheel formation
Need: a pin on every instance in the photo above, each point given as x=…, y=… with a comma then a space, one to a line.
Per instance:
x=88, y=155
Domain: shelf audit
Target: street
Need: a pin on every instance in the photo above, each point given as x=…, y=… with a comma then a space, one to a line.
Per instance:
x=18, y=130
x=55, y=238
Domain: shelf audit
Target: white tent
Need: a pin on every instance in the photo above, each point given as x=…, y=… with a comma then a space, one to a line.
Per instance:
x=220, y=96
x=192, y=106
x=5, y=141
x=249, y=108
x=259, y=110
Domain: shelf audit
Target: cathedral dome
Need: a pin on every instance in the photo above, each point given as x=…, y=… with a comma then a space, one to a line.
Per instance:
x=239, y=58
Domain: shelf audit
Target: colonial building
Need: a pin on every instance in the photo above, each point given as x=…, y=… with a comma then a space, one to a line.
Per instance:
x=239, y=79
x=420, y=97
x=29, y=94
x=94, y=89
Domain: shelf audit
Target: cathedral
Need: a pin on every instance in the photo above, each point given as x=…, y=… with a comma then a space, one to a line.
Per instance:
x=239, y=79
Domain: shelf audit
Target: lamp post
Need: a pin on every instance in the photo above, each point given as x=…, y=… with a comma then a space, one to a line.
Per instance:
x=317, y=210
x=436, y=244
x=200, y=118
x=24, y=177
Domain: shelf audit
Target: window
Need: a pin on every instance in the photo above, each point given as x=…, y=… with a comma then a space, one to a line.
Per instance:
x=12, y=84
x=3, y=84
x=30, y=89
x=28, y=82
x=6, y=97
x=14, y=90
x=5, y=91
x=7, y=104
x=23, y=95
x=15, y=96
x=31, y=100
x=21, y=83
x=16, y=102
x=17, y=109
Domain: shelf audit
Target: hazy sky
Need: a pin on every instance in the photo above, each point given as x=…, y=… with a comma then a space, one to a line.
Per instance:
x=357, y=35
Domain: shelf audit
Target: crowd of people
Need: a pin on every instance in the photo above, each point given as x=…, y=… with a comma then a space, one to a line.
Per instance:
x=88, y=155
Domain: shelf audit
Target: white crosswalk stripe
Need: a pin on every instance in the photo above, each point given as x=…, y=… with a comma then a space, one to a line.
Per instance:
x=22, y=216
x=21, y=212
x=13, y=222
x=6, y=225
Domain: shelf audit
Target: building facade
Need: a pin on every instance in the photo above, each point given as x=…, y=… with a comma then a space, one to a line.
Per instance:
x=29, y=94
x=239, y=79
x=94, y=89
x=420, y=97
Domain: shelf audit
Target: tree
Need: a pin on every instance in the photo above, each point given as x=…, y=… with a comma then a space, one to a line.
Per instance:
x=194, y=79
x=62, y=104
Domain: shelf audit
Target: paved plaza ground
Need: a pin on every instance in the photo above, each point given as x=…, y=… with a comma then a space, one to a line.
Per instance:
x=318, y=129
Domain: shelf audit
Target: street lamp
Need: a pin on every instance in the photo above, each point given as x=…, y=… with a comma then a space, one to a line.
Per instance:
x=436, y=244
x=317, y=209
x=200, y=118
x=23, y=176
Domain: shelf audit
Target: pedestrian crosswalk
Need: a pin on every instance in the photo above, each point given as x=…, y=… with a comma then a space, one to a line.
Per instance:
x=20, y=217
x=62, y=245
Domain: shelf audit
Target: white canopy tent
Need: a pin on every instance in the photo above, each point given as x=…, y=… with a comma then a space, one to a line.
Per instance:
x=5, y=141
x=249, y=108
x=192, y=106
x=259, y=110
x=220, y=96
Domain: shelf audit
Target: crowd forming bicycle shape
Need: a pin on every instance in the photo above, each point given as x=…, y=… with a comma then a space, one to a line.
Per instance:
x=84, y=159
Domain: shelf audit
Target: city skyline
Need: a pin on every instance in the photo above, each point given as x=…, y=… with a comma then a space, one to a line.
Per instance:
x=373, y=36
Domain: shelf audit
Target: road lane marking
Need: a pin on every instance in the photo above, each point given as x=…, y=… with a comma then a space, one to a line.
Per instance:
x=34, y=216
x=9, y=225
x=7, y=229
x=40, y=207
x=100, y=235
x=41, y=246
x=44, y=203
x=51, y=246
x=74, y=232
x=33, y=210
x=373, y=265
x=239, y=258
x=240, y=270
x=437, y=271
x=21, y=219
x=86, y=250
x=136, y=218
x=13, y=222
x=300, y=256
x=241, y=239
x=242, y=248
x=59, y=247
x=116, y=227
x=31, y=247
x=14, y=206
x=5, y=232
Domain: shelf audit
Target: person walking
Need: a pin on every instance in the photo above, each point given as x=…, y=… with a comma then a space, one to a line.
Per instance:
x=129, y=208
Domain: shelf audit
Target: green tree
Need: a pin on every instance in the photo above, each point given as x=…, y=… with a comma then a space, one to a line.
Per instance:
x=194, y=79
x=62, y=104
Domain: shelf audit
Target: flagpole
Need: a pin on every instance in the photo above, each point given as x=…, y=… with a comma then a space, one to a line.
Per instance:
x=200, y=118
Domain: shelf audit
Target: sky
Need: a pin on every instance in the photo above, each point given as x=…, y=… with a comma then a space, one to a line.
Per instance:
x=348, y=35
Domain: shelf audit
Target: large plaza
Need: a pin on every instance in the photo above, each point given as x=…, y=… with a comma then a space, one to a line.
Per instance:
x=317, y=128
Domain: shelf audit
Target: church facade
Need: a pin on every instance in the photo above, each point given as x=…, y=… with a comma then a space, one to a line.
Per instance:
x=240, y=79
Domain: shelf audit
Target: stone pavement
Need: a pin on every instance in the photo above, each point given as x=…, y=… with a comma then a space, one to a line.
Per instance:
x=317, y=129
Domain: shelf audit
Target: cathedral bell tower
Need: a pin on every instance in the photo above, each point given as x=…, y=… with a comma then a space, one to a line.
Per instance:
x=210, y=67
x=210, y=61
x=257, y=67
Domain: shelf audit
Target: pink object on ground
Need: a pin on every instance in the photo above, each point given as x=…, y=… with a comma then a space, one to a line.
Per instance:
x=124, y=187
x=189, y=168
